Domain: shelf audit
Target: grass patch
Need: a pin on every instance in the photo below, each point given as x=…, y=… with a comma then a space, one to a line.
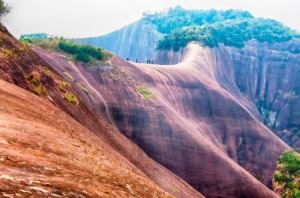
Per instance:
x=40, y=90
x=83, y=53
x=49, y=73
x=71, y=98
x=7, y=53
x=145, y=92
x=64, y=86
x=37, y=86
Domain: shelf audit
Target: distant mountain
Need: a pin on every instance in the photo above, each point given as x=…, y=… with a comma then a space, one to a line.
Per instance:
x=177, y=27
x=140, y=39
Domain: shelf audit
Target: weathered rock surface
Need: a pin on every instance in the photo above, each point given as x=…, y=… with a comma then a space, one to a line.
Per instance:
x=54, y=139
x=269, y=77
x=46, y=153
x=265, y=74
x=186, y=121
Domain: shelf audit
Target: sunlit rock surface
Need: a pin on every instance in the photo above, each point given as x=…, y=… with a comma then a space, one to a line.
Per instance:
x=46, y=153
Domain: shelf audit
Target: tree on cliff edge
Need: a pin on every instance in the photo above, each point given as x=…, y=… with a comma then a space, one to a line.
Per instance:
x=4, y=9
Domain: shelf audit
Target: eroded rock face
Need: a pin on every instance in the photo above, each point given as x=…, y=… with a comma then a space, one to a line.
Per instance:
x=268, y=76
x=140, y=39
x=190, y=124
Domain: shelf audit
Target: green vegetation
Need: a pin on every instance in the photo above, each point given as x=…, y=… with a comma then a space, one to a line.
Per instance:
x=83, y=53
x=211, y=28
x=41, y=40
x=144, y=92
x=231, y=33
x=29, y=38
x=4, y=9
x=71, y=98
x=178, y=17
x=287, y=176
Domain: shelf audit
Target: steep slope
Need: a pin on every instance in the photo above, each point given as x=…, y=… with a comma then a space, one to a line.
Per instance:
x=183, y=118
x=21, y=66
x=140, y=39
x=45, y=153
x=268, y=75
x=264, y=76
x=246, y=71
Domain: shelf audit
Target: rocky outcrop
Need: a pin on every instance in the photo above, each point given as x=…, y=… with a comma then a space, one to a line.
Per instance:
x=46, y=153
x=21, y=66
x=268, y=75
x=140, y=39
x=265, y=77
x=183, y=118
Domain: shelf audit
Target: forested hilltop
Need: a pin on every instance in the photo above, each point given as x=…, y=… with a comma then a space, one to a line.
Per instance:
x=212, y=27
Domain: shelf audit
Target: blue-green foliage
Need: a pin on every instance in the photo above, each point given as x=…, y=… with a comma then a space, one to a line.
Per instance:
x=288, y=174
x=178, y=17
x=83, y=53
x=231, y=27
x=33, y=37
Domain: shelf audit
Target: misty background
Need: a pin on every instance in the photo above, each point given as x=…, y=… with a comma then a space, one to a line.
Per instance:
x=84, y=18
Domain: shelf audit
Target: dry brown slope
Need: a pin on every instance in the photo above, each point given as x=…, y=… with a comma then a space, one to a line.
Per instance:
x=44, y=152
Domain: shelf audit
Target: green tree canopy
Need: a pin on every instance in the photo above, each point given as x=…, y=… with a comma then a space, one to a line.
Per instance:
x=212, y=27
x=4, y=9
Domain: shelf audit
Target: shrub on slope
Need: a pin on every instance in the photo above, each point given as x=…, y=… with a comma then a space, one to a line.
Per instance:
x=287, y=177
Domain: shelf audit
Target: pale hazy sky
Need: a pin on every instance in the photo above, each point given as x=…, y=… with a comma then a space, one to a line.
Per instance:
x=82, y=18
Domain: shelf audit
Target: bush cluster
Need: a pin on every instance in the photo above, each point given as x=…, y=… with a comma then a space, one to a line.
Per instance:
x=83, y=53
x=231, y=33
x=288, y=174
